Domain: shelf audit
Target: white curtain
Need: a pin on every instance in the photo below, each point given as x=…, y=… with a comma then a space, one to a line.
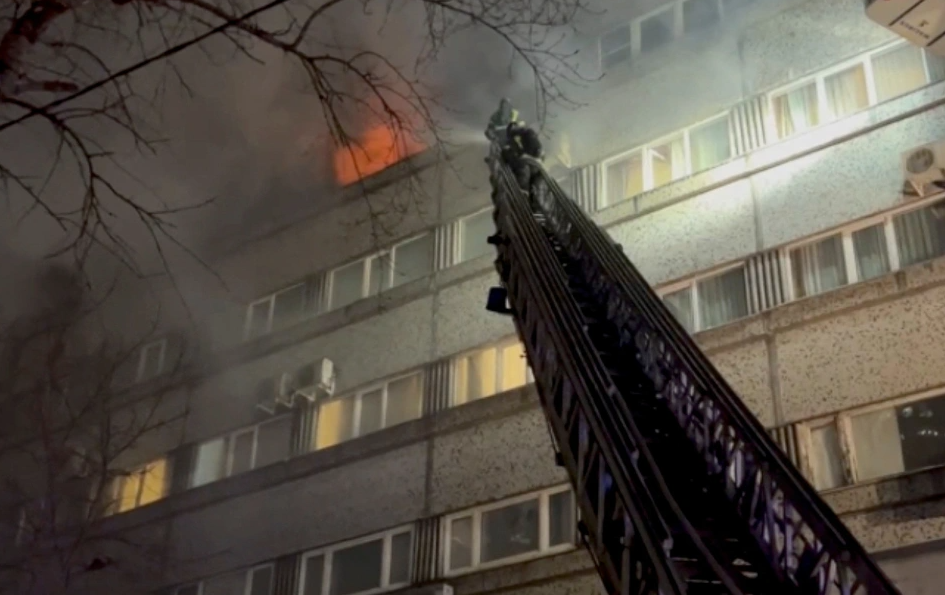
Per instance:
x=869, y=246
x=898, y=71
x=876, y=444
x=846, y=92
x=920, y=235
x=818, y=267
x=722, y=299
x=796, y=111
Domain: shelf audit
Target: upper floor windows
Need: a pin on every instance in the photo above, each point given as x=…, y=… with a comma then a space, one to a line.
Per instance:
x=405, y=262
x=510, y=531
x=151, y=360
x=279, y=309
x=140, y=486
x=473, y=232
x=382, y=406
x=241, y=451
x=489, y=371
x=709, y=301
x=854, y=86
x=368, y=565
x=689, y=151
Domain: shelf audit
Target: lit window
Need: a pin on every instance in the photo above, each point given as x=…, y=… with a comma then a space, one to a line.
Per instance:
x=473, y=233
x=277, y=311
x=615, y=47
x=826, y=457
x=250, y=448
x=490, y=371
x=510, y=531
x=371, y=565
x=140, y=486
x=151, y=361
x=899, y=439
x=259, y=580
x=394, y=402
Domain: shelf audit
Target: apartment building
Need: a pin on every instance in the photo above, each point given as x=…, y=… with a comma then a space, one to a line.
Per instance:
x=747, y=154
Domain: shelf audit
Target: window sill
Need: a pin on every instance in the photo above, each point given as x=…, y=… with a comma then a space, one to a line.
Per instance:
x=511, y=561
x=912, y=487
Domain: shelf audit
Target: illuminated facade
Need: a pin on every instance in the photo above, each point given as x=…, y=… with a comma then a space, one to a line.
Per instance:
x=746, y=153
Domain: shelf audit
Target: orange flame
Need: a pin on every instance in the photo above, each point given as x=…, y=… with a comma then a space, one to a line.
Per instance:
x=379, y=149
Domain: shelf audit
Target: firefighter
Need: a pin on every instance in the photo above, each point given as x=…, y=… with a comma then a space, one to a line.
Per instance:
x=522, y=141
x=499, y=122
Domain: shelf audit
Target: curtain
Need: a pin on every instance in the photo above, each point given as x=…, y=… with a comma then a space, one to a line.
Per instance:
x=723, y=298
x=869, y=246
x=898, y=71
x=876, y=444
x=668, y=161
x=846, y=92
x=796, y=111
x=624, y=178
x=920, y=235
x=818, y=267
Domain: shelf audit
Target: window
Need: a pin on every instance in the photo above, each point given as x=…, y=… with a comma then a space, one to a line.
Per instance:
x=407, y=261
x=695, y=149
x=700, y=15
x=392, y=403
x=369, y=565
x=710, y=301
x=277, y=310
x=510, y=531
x=826, y=457
x=658, y=30
x=140, y=486
x=490, y=371
x=259, y=580
x=241, y=451
x=151, y=361
x=870, y=79
x=473, y=232
x=615, y=47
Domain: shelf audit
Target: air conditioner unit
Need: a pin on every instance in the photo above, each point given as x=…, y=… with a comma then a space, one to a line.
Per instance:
x=921, y=22
x=267, y=395
x=310, y=382
x=923, y=170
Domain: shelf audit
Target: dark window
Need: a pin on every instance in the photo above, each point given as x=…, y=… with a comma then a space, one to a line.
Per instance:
x=699, y=15
x=657, y=30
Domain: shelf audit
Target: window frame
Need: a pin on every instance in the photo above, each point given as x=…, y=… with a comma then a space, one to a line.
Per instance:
x=692, y=283
x=386, y=557
x=161, y=344
x=392, y=259
x=496, y=346
x=270, y=311
x=475, y=515
x=461, y=234
x=248, y=582
x=229, y=442
x=818, y=78
x=137, y=474
x=645, y=150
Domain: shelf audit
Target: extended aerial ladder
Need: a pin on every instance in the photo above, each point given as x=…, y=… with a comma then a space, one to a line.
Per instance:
x=680, y=490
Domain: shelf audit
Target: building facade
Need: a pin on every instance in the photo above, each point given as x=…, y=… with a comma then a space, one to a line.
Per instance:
x=746, y=154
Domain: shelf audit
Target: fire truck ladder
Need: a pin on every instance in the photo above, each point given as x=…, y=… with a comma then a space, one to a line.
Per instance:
x=680, y=490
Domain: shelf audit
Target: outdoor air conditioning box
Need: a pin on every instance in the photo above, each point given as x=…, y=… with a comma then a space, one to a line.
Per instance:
x=922, y=22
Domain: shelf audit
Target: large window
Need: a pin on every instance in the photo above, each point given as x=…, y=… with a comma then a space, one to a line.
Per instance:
x=692, y=150
x=389, y=404
x=709, y=301
x=867, y=249
x=277, y=310
x=854, y=86
x=250, y=448
x=151, y=361
x=877, y=441
x=368, y=565
x=510, y=531
x=489, y=371
x=139, y=486
x=405, y=262
x=259, y=580
x=616, y=47
x=473, y=233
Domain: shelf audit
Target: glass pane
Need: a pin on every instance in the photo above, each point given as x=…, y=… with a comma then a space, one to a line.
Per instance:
x=261, y=581
x=314, y=572
x=509, y=531
x=357, y=568
x=476, y=376
x=372, y=414
x=413, y=260
x=710, y=144
x=898, y=71
x=274, y=438
x=656, y=30
x=347, y=284
x=668, y=161
x=680, y=304
x=826, y=458
x=514, y=367
x=400, y=559
x=379, y=270
x=561, y=522
x=259, y=318
x=796, y=111
x=241, y=453
x=128, y=487
x=289, y=306
x=700, y=14
x=818, y=267
x=876, y=444
x=723, y=298
x=935, y=67
x=846, y=91
x=475, y=230
x=869, y=247
x=616, y=57
x=208, y=463
x=404, y=400
x=920, y=234
x=625, y=178
x=335, y=422
x=922, y=431
x=615, y=40
x=153, y=482
x=460, y=543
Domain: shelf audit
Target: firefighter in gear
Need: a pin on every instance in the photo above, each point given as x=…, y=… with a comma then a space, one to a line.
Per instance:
x=523, y=141
x=499, y=122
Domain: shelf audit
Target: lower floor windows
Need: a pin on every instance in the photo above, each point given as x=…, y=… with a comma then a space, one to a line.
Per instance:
x=507, y=531
x=711, y=301
x=490, y=371
x=369, y=565
x=140, y=486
